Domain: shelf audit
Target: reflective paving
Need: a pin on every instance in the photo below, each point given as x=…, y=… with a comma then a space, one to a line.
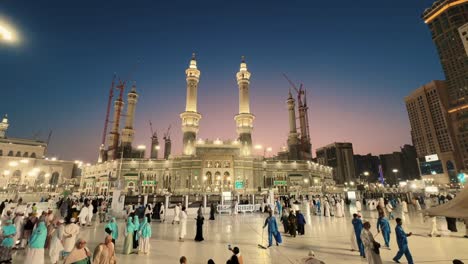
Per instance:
x=328, y=237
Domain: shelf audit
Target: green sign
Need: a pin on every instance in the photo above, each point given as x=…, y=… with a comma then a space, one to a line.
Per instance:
x=149, y=182
x=239, y=185
x=284, y=183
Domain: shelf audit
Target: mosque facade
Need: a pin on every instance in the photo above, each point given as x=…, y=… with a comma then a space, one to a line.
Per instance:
x=205, y=166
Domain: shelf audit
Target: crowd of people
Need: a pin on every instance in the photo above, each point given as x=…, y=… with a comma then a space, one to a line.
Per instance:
x=55, y=232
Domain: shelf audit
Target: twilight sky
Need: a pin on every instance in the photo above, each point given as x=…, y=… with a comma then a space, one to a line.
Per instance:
x=358, y=59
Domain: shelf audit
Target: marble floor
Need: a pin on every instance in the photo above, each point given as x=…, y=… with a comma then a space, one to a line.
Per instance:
x=328, y=237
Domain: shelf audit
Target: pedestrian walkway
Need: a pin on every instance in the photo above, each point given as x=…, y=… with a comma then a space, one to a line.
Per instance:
x=328, y=237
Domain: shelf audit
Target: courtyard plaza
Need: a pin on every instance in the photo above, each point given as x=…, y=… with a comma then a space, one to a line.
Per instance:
x=328, y=237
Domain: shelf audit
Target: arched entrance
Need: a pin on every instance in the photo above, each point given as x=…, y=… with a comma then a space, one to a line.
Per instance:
x=16, y=177
x=40, y=178
x=209, y=178
x=54, y=179
x=226, y=179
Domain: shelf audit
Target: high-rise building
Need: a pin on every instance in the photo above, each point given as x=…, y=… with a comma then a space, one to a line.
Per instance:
x=431, y=132
x=463, y=31
x=444, y=19
x=338, y=155
x=367, y=167
x=400, y=165
x=410, y=162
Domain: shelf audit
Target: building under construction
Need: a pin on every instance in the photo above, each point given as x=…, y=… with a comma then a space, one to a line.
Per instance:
x=209, y=166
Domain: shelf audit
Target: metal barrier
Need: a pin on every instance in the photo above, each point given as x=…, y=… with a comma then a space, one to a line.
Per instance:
x=246, y=208
x=241, y=208
x=224, y=209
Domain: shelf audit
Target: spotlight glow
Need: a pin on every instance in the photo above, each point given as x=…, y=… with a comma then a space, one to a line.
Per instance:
x=8, y=33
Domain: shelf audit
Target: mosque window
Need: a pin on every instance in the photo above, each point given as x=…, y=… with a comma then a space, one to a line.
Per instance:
x=10, y=153
x=18, y=154
x=1, y=152
x=217, y=164
x=25, y=155
x=227, y=164
x=209, y=164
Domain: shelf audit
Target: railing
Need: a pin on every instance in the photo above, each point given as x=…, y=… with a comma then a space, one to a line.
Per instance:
x=247, y=208
x=224, y=209
x=242, y=208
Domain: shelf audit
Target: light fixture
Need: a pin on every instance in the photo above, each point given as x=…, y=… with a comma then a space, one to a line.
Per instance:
x=141, y=147
x=13, y=164
x=24, y=161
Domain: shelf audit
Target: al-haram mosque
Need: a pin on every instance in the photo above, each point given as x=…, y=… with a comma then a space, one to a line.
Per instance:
x=205, y=166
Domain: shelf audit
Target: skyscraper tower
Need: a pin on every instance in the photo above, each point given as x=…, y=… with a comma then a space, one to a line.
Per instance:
x=244, y=120
x=113, y=139
x=128, y=132
x=293, y=140
x=191, y=117
x=4, y=126
x=444, y=18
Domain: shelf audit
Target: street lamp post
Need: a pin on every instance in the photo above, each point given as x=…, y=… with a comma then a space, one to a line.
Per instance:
x=366, y=173
x=395, y=171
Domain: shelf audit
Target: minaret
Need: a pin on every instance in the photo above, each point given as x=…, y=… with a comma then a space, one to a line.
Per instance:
x=191, y=117
x=244, y=120
x=113, y=139
x=4, y=126
x=154, y=146
x=128, y=132
x=102, y=154
x=293, y=140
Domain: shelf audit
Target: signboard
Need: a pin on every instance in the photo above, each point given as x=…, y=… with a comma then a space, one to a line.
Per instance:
x=282, y=183
x=149, y=182
x=239, y=185
x=431, y=189
x=352, y=195
x=432, y=157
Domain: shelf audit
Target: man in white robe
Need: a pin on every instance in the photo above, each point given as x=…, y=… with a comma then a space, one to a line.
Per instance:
x=90, y=214
x=326, y=208
x=70, y=233
x=339, y=210
x=83, y=216
x=183, y=225
x=404, y=207
x=19, y=224
x=358, y=206
x=56, y=245
x=176, y=214
x=369, y=244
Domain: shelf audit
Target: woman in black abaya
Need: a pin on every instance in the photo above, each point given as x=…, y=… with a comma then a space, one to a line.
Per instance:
x=199, y=236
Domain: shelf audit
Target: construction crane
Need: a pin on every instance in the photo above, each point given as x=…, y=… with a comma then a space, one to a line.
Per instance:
x=151, y=128
x=299, y=91
x=167, y=143
x=109, y=104
x=168, y=133
x=303, y=115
